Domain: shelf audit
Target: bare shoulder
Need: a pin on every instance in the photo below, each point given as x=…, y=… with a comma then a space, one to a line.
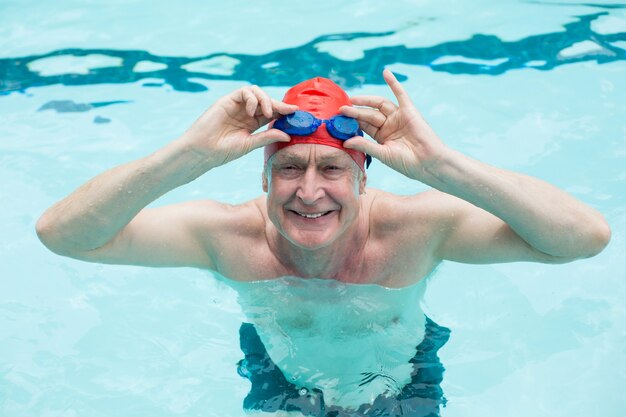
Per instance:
x=245, y=217
x=222, y=229
x=405, y=233
x=235, y=239
x=391, y=213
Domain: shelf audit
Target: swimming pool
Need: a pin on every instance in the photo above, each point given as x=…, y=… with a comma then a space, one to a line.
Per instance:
x=536, y=87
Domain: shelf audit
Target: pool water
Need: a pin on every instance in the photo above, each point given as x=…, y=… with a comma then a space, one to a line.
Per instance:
x=534, y=87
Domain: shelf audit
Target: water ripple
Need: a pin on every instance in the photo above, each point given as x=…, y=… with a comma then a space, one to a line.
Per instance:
x=582, y=40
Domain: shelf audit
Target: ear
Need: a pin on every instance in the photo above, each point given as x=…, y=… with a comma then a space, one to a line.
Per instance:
x=362, y=183
x=264, y=182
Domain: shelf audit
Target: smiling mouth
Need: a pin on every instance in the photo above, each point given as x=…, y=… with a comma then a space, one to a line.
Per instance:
x=311, y=215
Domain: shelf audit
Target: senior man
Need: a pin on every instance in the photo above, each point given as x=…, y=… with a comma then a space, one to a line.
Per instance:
x=318, y=219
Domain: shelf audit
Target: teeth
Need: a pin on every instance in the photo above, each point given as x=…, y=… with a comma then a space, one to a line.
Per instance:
x=311, y=216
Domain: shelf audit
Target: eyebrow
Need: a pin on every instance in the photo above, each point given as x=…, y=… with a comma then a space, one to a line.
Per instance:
x=291, y=158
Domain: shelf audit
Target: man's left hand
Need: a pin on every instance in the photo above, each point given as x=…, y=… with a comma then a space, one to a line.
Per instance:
x=403, y=139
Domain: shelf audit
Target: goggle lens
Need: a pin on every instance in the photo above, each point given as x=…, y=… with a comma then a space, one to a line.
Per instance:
x=303, y=123
x=343, y=127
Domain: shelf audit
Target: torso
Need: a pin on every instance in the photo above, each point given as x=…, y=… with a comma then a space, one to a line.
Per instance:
x=395, y=255
x=327, y=339
x=353, y=342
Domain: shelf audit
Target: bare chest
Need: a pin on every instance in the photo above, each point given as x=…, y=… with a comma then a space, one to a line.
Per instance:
x=383, y=263
x=390, y=265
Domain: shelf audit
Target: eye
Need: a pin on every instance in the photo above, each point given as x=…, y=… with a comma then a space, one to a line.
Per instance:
x=333, y=169
x=288, y=170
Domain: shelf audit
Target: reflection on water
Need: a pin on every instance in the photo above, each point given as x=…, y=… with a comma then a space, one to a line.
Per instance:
x=320, y=346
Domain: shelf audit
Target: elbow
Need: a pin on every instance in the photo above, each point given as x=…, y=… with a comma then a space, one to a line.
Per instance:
x=600, y=237
x=57, y=236
x=47, y=232
x=587, y=244
x=595, y=238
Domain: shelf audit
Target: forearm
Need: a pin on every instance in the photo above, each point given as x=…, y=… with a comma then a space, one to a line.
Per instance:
x=547, y=218
x=96, y=212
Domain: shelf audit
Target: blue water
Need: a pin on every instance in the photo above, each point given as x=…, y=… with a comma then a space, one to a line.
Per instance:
x=535, y=87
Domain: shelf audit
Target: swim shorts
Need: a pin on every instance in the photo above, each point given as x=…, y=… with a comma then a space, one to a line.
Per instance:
x=271, y=391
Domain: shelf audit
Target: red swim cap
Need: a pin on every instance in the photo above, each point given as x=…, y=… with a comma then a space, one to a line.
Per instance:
x=322, y=98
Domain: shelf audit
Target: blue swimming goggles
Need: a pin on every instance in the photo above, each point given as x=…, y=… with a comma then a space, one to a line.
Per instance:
x=302, y=123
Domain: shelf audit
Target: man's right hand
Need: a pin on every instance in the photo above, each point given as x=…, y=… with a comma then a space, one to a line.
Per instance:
x=225, y=131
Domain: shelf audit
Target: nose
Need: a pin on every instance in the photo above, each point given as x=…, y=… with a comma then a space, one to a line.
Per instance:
x=310, y=188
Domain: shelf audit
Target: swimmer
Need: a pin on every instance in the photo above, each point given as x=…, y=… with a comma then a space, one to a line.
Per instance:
x=318, y=219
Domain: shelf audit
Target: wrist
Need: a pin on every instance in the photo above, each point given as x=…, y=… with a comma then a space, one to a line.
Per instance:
x=457, y=174
x=451, y=172
x=179, y=162
x=432, y=167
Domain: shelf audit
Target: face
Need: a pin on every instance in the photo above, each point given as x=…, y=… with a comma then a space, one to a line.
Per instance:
x=313, y=194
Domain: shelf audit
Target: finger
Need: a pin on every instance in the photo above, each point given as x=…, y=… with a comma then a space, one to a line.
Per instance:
x=385, y=106
x=371, y=130
x=396, y=88
x=267, y=137
x=369, y=147
x=370, y=116
x=251, y=102
x=264, y=100
x=280, y=108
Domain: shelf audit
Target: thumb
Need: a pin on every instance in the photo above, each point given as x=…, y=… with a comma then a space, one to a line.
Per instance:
x=359, y=143
x=267, y=137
